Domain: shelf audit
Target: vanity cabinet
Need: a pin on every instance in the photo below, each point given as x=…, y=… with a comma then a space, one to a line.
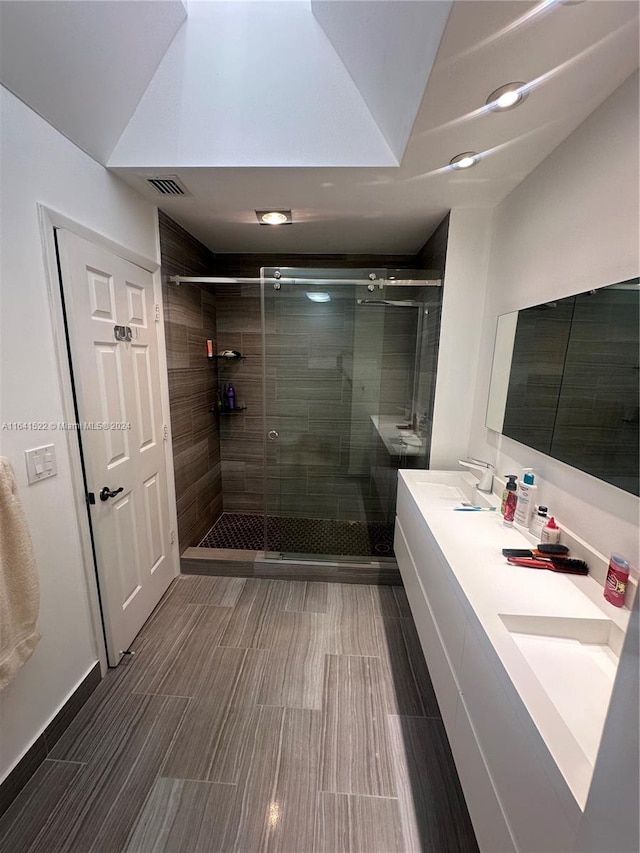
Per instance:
x=516, y=758
x=487, y=815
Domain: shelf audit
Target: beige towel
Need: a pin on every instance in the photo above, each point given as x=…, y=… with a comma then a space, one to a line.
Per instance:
x=19, y=589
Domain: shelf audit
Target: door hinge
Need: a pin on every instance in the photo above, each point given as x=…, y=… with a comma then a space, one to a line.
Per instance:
x=173, y=537
x=157, y=307
x=165, y=432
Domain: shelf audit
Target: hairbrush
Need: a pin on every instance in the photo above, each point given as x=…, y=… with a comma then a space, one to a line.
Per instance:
x=554, y=564
x=540, y=551
x=552, y=549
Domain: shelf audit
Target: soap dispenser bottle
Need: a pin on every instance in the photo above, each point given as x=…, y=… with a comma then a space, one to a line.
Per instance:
x=526, y=497
x=511, y=499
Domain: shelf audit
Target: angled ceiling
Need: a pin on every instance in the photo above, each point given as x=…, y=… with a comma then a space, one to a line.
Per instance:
x=389, y=50
x=84, y=66
x=336, y=109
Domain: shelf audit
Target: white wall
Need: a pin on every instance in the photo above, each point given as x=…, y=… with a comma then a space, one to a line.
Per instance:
x=572, y=225
x=460, y=334
x=40, y=165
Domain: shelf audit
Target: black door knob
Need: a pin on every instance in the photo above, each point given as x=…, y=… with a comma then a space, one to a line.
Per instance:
x=106, y=493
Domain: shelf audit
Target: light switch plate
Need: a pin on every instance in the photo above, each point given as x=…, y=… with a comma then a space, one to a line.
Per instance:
x=41, y=463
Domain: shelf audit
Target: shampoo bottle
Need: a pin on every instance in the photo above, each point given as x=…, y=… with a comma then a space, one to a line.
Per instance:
x=231, y=397
x=511, y=500
x=550, y=532
x=526, y=498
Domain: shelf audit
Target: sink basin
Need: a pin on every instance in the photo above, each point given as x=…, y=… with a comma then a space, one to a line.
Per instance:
x=408, y=438
x=448, y=490
x=574, y=663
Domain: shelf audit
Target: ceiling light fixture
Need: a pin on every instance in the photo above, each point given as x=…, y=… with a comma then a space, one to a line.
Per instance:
x=507, y=97
x=465, y=160
x=319, y=296
x=274, y=217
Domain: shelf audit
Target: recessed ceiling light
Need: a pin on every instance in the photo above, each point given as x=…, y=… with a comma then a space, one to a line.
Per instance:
x=507, y=97
x=274, y=217
x=465, y=160
x=319, y=296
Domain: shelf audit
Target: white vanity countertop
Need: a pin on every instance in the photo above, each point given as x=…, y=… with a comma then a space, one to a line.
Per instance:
x=397, y=442
x=564, y=684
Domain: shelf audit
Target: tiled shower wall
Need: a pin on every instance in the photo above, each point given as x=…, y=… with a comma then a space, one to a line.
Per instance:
x=239, y=327
x=190, y=319
x=327, y=447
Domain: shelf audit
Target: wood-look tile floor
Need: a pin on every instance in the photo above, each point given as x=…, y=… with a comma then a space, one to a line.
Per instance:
x=256, y=715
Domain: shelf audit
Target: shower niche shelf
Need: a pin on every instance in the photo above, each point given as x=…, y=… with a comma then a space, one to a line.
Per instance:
x=236, y=356
x=237, y=411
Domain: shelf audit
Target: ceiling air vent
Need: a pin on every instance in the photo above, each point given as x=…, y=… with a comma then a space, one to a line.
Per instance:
x=168, y=185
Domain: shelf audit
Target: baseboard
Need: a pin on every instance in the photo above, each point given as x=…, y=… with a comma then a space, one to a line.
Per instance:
x=36, y=754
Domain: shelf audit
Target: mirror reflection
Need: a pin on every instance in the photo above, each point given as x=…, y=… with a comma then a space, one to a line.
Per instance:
x=565, y=381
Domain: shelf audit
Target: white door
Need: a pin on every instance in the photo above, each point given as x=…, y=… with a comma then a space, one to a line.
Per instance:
x=117, y=386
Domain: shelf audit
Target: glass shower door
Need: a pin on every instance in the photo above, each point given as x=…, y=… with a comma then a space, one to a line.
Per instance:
x=340, y=381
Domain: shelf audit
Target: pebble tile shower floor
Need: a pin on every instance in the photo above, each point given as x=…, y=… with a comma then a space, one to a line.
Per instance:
x=257, y=715
x=301, y=535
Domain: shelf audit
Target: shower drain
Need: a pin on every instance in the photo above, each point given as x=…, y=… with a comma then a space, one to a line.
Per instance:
x=382, y=548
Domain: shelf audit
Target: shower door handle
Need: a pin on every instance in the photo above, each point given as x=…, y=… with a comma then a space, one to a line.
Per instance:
x=273, y=435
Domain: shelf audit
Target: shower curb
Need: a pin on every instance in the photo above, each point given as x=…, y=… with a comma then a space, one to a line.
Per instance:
x=253, y=564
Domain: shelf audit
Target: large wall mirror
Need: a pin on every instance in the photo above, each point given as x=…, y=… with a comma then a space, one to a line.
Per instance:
x=565, y=381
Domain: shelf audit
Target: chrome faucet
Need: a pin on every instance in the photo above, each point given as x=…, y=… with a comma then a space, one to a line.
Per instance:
x=483, y=470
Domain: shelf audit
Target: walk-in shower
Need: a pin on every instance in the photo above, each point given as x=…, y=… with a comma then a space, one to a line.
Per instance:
x=333, y=377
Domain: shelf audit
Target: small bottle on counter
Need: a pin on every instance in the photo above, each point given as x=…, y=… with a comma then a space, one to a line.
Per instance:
x=511, y=500
x=615, y=587
x=540, y=518
x=550, y=534
x=526, y=495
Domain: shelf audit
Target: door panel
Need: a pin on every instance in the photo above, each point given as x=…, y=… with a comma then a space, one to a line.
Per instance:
x=153, y=514
x=101, y=295
x=111, y=403
x=144, y=396
x=117, y=382
x=137, y=315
